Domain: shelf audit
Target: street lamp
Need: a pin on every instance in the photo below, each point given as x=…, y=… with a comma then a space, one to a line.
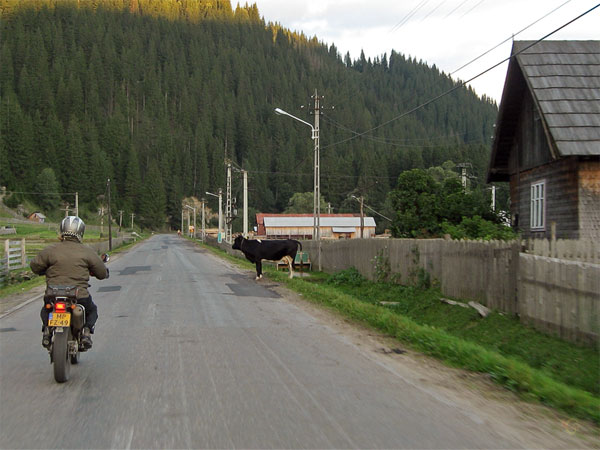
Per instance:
x=220, y=197
x=193, y=209
x=317, y=189
x=203, y=221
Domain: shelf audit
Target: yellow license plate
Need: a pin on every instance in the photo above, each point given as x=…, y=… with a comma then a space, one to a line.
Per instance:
x=59, y=319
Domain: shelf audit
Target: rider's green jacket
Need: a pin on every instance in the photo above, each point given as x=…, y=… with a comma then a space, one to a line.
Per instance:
x=69, y=263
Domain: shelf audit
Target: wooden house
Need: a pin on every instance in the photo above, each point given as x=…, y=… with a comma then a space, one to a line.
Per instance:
x=547, y=139
x=37, y=217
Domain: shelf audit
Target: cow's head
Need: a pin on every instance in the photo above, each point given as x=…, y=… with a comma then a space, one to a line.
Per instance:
x=237, y=243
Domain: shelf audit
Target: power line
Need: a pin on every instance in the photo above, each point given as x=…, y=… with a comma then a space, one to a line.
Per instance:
x=406, y=142
x=462, y=84
x=41, y=193
x=509, y=38
x=327, y=176
x=452, y=12
x=409, y=15
x=476, y=5
x=434, y=10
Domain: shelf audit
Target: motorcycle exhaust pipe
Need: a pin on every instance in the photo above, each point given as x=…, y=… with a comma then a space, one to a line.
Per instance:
x=78, y=317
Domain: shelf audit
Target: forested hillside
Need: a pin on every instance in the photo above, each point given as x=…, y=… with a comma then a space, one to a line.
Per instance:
x=156, y=94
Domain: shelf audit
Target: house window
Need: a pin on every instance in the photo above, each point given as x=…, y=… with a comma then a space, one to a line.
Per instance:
x=538, y=205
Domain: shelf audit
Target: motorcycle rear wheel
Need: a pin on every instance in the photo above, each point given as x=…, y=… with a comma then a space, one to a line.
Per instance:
x=60, y=356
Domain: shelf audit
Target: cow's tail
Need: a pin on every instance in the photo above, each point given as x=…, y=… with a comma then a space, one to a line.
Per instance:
x=299, y=244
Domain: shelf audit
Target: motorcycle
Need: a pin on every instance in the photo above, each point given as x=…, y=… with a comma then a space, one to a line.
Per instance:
x=65, y=326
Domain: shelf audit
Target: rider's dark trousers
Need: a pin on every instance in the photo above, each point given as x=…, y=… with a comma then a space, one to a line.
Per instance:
x=91, y=312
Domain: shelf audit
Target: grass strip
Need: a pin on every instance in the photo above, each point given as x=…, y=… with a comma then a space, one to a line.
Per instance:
x=21, y=287
x=517, y=376
x=36, y=280
x=573, y=364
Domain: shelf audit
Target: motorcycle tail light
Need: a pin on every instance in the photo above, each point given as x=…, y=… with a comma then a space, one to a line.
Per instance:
x=60, y=307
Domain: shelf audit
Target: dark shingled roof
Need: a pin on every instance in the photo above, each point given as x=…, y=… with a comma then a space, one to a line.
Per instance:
x=564, y=80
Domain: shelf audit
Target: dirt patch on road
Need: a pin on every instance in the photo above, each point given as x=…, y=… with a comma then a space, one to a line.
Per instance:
x=475, y=394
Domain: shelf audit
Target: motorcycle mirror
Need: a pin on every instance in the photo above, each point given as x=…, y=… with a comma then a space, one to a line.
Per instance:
x=105, y=257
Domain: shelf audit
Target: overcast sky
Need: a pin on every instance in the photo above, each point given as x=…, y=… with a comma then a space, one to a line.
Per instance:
x=447, y=33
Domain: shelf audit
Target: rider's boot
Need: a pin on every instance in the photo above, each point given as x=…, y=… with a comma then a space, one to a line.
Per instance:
x=86, y=339
x=45, y=337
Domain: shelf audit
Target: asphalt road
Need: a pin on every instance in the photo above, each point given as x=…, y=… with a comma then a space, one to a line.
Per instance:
x=190, y=352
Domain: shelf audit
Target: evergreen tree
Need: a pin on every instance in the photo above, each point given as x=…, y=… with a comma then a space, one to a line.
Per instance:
x=153, y=199
x=47, y=184
x=133, y=182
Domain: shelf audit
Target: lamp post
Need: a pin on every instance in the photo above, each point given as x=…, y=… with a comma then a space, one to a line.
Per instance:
x=220, y=197
x=193, y=209
x=203, y=222
x=317, y=190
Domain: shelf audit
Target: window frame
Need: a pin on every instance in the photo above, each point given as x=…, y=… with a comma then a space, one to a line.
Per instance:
x=537, y=205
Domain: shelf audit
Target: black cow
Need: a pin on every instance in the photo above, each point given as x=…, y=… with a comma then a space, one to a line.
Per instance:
x=274, y=250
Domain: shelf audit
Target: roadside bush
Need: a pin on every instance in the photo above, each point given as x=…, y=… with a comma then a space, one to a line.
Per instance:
x=348, y=277
x=478, y=228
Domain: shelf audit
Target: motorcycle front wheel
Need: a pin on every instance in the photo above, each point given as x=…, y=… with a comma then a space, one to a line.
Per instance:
x=60, y=355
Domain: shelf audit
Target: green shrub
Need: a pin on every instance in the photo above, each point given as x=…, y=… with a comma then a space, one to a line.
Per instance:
x=478, y=228
x=348, y=277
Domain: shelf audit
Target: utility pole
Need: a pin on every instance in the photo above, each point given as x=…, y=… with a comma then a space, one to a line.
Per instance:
x=203, y=221
x=463, y=175
x=77, y=204
x=66, y=210
x=219, y=238
x=101, y=213
x=317, y=177
x=245, y=174
x=188, y=228
x=109, y=219
x=220, y=197
x=228, y=201
x=120, y=219
x=182, y=230
x=132, y=216
x=362, y=217
x=194, y=235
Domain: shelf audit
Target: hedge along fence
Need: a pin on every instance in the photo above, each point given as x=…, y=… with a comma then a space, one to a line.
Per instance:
x=553, y=295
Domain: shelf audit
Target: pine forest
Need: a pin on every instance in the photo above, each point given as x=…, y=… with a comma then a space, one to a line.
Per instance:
x=157, y=95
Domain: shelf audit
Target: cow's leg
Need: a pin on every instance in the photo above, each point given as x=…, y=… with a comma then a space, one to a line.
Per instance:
x=284, y=260
x=291, y=264
x=259, y=269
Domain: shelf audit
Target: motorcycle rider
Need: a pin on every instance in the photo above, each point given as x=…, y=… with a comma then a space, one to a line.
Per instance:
x=70, y=263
